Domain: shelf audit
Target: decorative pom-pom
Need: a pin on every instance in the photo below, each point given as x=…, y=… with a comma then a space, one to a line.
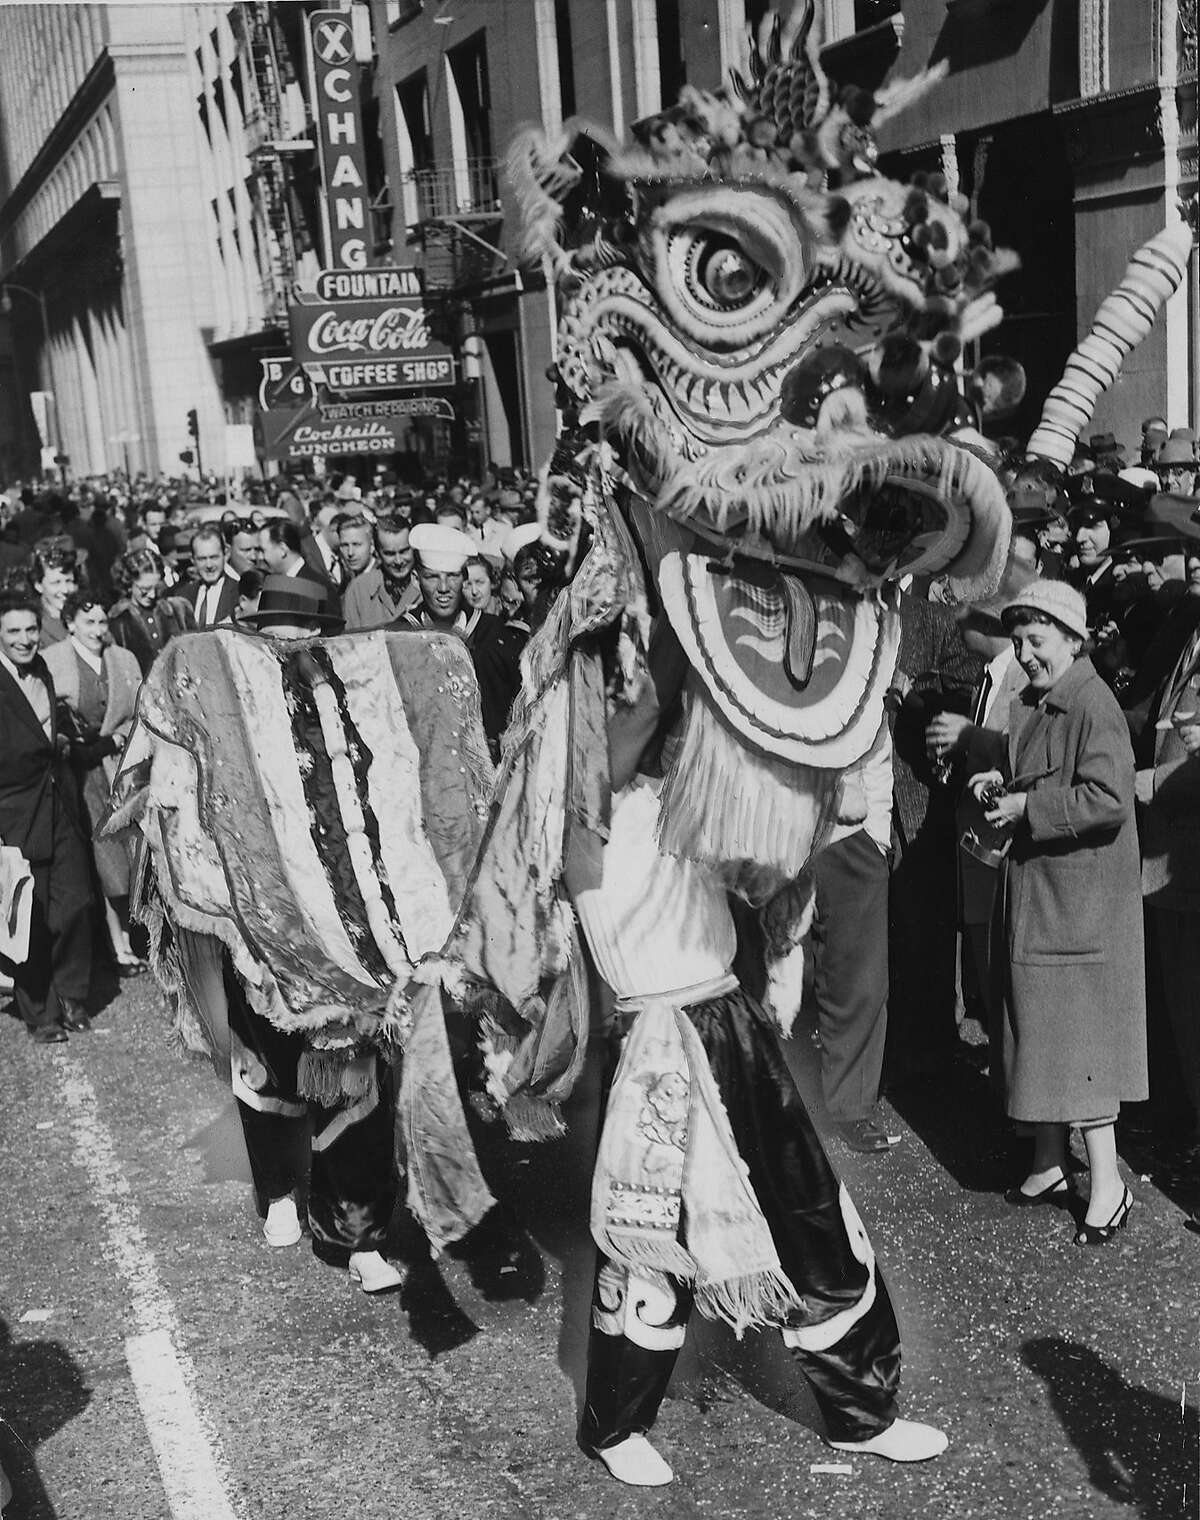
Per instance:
x=938, y=237
x=946, y=347
x=937, y=186
x=920, y=237
x=761, y=132
x=980, y=232
x=916, y=207
x=948, y=278
x=902, y=364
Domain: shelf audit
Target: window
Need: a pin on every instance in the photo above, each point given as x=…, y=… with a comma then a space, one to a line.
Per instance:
x=566, y=56
x=412, y=100
x=469, y=63
x=672, y=70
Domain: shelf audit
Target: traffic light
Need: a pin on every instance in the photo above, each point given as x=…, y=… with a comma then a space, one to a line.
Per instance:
x=193, y=423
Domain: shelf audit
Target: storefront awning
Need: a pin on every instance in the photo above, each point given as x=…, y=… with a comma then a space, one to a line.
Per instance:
x=1006, y=59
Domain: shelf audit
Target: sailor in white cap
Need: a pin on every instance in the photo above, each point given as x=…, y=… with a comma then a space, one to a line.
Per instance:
x=441, y=554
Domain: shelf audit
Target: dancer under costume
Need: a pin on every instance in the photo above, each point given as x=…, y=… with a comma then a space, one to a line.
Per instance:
x=711, y=1187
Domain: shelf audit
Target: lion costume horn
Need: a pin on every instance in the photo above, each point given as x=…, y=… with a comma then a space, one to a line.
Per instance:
x=1123, y=320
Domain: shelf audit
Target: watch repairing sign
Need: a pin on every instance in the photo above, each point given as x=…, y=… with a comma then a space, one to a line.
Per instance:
x=377, y=345
x=349, y=427
x=334, y=88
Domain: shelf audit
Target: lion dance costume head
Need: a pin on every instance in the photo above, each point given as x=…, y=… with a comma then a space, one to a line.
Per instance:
x=757, y=364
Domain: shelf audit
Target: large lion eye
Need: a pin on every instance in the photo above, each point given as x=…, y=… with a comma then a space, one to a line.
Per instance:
x=724, y=272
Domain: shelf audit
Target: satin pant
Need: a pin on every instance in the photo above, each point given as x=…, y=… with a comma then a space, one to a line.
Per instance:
x=847, y=1345
x=346, y=1152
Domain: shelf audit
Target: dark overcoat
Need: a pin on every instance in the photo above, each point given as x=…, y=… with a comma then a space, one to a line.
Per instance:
x=1074, y=1036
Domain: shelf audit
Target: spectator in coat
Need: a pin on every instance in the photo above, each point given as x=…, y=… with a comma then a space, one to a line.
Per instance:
x=144, y=620
x=98, y=682
x=1074, y=1035
x=54, y=578
x=387, y=589
x=1168, y=790
x=213, y=588
x=39, y=816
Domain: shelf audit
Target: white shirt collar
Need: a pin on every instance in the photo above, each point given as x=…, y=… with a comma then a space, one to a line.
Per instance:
x=95, y=661
x=18, y=672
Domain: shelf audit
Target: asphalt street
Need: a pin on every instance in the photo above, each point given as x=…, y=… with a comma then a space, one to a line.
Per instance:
x=159, y=1362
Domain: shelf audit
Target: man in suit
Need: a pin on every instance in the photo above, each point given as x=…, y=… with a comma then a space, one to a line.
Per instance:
x=976, y=743
x=389, y=588
x=282, y=552
x=213, y=589
x=935, y=673
x=39, y=815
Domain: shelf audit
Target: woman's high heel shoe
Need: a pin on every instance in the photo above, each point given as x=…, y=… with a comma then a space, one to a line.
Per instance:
x=1056, y=1193
x=1097, y=1234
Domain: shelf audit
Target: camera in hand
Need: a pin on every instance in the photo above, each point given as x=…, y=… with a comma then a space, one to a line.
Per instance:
x=991, y=794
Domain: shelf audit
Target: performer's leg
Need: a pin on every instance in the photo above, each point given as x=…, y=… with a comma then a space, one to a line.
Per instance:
x=69, y=916
x=352, y=1187
x=851, y=973
x=637, y=1331
x=263, y=1075
x=849, y=1345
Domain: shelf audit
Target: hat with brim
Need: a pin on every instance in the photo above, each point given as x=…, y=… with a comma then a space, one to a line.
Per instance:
x=1176, y=451
x=1169, y=518
x=1088, y=514
x=440, y=548
x=292, y=599
x=1061, y=603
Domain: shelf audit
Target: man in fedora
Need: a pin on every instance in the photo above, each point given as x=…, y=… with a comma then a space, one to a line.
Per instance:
x=351, y=1181
x=1176, y=462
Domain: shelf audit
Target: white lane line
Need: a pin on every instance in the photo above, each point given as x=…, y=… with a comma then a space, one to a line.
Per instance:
x=193, y=1471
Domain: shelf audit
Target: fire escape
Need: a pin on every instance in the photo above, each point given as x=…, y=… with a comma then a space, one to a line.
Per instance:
x=267, y=158
x=457, y=215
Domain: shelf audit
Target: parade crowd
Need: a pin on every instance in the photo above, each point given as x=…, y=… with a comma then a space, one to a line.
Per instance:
x=973, y=908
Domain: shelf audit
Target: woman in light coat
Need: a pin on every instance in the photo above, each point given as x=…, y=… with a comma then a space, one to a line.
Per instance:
x=1070, y=945
x=99, y=683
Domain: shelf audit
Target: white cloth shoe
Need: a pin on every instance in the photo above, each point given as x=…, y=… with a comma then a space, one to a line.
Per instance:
x=372, y=1273
x=281, y=1227
x=635, y=1461
x=902, y=1441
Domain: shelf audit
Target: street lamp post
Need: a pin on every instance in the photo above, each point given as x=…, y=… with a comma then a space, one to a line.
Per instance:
x=34, y=295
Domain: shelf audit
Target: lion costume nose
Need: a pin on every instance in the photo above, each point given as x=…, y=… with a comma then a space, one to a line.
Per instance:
x=818, y=376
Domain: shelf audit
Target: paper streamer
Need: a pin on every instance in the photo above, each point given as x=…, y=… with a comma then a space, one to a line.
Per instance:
x=1124, y=319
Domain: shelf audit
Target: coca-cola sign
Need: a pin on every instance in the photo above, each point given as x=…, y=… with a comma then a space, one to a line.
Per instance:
x=368, y=345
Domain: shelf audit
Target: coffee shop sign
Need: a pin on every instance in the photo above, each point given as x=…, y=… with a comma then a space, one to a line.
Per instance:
x=368, y=345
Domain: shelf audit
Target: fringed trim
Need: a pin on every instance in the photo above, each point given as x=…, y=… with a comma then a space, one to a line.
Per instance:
x=332, y=1077
x=785, y=987
x=724, y=803
x=646, y=1252
x=750, y=1303
x=533, y=1119
x=542, y=175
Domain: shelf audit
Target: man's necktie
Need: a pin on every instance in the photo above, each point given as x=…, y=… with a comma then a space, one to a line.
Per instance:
x=981, y=699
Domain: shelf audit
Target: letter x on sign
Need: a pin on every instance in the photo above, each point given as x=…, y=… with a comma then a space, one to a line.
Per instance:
x=333, y=42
